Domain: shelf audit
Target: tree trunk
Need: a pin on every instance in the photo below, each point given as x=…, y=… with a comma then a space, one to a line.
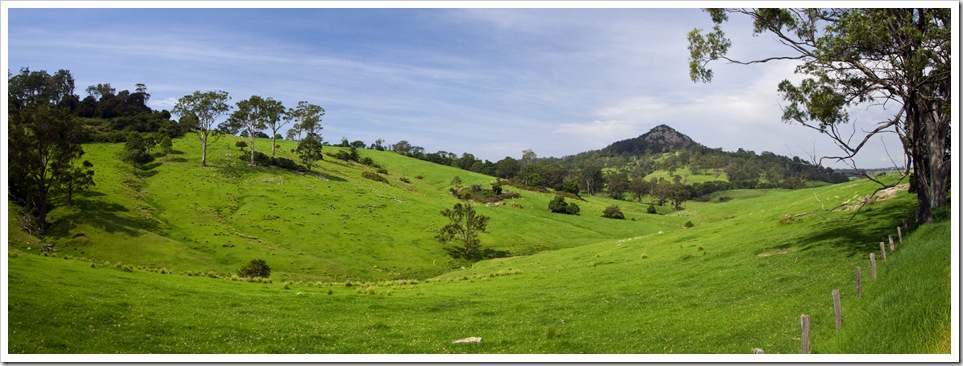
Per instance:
x=203, y=151
x=251, y=134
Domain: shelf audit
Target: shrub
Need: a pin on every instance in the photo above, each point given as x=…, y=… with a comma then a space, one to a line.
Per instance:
x=651, y=209
x=382, y=171
x=240, y=144
x=497, y=188
x=689, y=224
x=404, y=179
x=374, y=177
x=613, y=212
x=255, y=268
x=557, y=205
x=367, y=160
x=572, y=209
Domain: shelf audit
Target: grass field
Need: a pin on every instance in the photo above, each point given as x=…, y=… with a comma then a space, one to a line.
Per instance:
x=366, y=276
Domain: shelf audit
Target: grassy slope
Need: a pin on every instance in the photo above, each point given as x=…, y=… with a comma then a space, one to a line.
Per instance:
x=333, y=226
x=907, y=310
x=739, y=279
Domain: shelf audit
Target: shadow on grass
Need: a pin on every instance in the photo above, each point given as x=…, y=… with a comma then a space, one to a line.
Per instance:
x=863, y=233
x=109, y=217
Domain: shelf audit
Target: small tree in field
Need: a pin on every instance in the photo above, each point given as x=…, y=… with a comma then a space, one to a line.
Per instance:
x=309, y=149
x=255, y=268
x=463, y=227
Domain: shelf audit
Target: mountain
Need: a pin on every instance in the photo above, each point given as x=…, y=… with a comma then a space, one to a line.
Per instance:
x=659, y=139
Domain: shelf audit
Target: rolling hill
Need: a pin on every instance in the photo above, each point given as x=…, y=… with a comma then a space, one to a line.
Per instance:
x=144, y=264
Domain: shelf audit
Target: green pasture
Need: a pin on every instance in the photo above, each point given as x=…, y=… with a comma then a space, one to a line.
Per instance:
x=357, y=270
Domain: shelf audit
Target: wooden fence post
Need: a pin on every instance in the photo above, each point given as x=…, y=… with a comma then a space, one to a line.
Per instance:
x=804, y=338
x=838, y=310
x=872, y=264
x=882, y=248
x=892, y=247
x=899, y=231
x=859, y=282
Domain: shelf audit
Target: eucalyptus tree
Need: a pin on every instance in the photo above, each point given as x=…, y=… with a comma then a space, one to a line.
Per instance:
x=273, y=117
x=198, y=112
x=43, y=140
x=893, y=57
x=255, y=114
x=307, y=119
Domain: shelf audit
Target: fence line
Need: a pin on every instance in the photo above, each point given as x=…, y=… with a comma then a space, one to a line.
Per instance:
x=804, y=340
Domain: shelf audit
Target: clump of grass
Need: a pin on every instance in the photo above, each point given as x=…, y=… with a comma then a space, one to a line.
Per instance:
x=551, y=333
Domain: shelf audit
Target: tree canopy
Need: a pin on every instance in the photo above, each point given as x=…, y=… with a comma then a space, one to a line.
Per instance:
x=896, y=58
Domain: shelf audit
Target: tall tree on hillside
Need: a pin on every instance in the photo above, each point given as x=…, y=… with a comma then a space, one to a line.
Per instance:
x=43, y=139
x=591, y=178
x=273, y=116
x=199, y=112
x=899, y=58
x=306, y=117
x=255, y=114
x=617, y=183
x=463, y=227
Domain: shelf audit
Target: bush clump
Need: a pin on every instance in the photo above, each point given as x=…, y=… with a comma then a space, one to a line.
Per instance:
x=651, y=210
x=374, y=176
x=262, y=159
x=689, y=224
x=613, y=212
x=255, y=268
x=558, y=205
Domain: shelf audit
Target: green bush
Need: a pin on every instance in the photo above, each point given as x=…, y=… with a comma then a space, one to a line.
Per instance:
x=572, y=209
x=240, y=144
x=689, y=224
x=613, y=212
x=255, y=268
x=557, y=205
x=651, y=209
x=374, y=176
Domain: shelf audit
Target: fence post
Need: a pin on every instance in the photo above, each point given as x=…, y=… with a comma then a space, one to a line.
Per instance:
x=872, y=264
x=892, y=247
x=882, y=248
x=899, y=231
x=859, y=282
x=838, y=310
x=804, y=338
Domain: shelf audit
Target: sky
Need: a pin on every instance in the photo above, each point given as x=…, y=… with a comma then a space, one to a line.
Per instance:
x=488, y=81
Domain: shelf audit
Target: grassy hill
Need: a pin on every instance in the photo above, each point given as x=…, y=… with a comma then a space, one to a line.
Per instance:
x=357, y=269
x=333, y=226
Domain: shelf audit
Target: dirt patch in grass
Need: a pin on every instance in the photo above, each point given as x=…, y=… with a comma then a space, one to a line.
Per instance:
x=776, y=252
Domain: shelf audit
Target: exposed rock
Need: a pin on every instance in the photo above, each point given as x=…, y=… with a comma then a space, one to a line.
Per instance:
x=468, y=340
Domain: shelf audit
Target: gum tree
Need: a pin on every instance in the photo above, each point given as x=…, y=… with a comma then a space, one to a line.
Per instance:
x=43, y=139
x=198, y=112
x=896, y=58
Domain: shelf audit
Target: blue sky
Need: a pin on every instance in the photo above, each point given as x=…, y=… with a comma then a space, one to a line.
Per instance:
x=491, y=82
